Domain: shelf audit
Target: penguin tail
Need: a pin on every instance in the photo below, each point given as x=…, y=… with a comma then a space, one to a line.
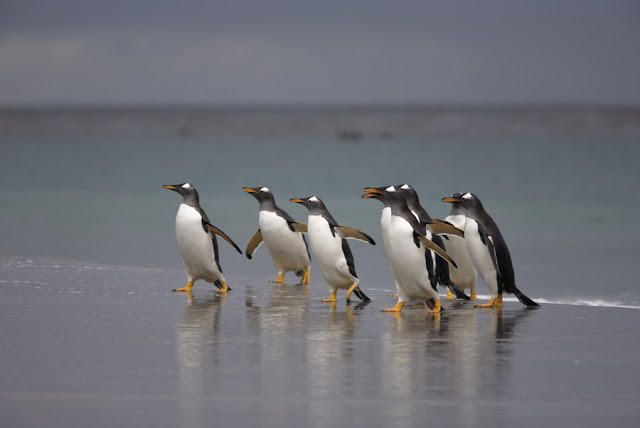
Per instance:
x=361, y=295
x=457, y=292
x=431, y=304
x=524, y=299
x=218, y=284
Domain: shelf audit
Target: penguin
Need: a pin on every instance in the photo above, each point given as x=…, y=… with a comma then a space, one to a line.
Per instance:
x=282, y=235
x=406, y=244
x=488, y=251
x=465, y=275
x=437, y=267
x=197, y=241
x=329, y=245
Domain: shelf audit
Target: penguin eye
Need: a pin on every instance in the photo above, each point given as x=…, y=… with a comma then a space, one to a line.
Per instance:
x=264, y=190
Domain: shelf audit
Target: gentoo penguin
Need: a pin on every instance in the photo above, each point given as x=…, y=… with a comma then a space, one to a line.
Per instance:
x=405, y=244
x=465, y=275
x=437, y=267
x=329, y=245
x=488, y=250
x=197, y=241
x=282, y=235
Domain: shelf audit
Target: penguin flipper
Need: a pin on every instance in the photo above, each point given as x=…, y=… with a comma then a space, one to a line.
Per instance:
x=443, y=227
x=254, y=243
x=347, y=232
x=301, y=227
x=488, y=241
x=223, y=235
x=439, y=251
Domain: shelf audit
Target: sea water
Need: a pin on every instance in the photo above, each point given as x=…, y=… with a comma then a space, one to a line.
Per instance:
x=89, y=188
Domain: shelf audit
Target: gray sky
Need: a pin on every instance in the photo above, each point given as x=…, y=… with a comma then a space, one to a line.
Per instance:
x=329, y=51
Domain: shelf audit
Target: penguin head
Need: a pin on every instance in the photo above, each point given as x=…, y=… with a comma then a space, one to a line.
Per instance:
x=260, y=193
x=409, y=194
x=313, y=203
x=385, y=194
x=184, y=189
x=465, y=200
x=375, y=193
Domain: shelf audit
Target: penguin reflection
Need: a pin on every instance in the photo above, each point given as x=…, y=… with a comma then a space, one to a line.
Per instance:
x=413, y=348
x=284, y=316
x=460, y=355
x=331, y=349
x=276, y=319
x=196, y=353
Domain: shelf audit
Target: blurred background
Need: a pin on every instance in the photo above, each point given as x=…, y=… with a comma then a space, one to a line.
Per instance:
x=535, y=107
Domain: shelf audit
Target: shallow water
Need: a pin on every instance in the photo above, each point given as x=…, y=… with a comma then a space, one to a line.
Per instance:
x=94, y=345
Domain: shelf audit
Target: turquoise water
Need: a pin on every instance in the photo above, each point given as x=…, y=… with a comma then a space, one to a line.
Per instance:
x=565, y=204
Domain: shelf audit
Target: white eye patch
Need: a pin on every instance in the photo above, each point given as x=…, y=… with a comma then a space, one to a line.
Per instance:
x=405, y=187
x=467, y=196
x=390, y=189
x=187, y=186
x=313, y=199
x=264, y=190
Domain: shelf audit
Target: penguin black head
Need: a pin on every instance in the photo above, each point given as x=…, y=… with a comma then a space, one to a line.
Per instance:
x=388, y=195
x=260, y=193
x=185, y=189
x=409, y=194
x=313, y=203
x=375, y=193
x=456, y=207
x=188, y=192
x=467, y=200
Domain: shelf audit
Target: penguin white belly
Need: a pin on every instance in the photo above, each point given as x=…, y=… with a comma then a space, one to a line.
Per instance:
x=480, y=256
x=408, y=263
x=287, y=248
x=196, y=246
x=385, y=222
x=327, y=250
x=464, y=276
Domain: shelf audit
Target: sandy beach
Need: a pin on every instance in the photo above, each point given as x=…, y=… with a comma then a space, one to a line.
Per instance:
x=93, y=345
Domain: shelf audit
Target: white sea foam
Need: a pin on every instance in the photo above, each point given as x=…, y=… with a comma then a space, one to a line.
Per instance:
x=573, y=301
x=588, y=302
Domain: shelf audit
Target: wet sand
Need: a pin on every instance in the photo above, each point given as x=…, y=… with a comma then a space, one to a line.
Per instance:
x=102, y=346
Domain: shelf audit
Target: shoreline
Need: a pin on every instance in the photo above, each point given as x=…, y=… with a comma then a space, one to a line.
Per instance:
x=204, y=286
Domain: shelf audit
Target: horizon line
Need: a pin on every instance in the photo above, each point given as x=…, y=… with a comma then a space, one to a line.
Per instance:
x=315, y=106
